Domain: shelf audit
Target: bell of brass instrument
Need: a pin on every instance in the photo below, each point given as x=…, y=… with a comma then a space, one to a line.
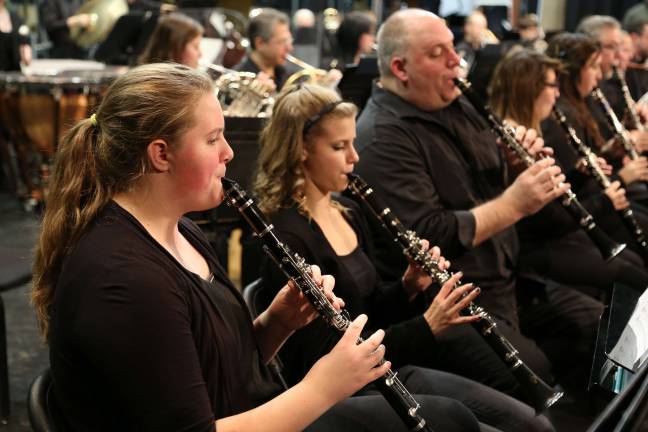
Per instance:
x=536, y=392
x=608, y=248
x=240, y=93
x=591, y=162
x=630, y=104
x=103, y=15
x=311, y=75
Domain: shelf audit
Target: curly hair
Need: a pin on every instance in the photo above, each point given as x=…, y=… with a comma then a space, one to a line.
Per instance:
x=280, y=179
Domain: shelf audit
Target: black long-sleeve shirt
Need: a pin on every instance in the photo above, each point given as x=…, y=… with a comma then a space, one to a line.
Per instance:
x=432, y=168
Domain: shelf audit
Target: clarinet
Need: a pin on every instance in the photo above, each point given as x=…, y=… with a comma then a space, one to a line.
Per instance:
x=615, y=124
x=296, y=269
x=591, y=162
x=608, y=248
x=540, y=395
x=627, y=98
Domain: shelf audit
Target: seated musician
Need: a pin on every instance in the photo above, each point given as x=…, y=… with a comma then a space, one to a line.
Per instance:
x=524, y=89
x=355, y=37
x=430, y=155
x=176, y=38
x=14, y=40
x=270, y=43
x=606, y=30
x=59, y=17
x=146, y=331
x=306, y=151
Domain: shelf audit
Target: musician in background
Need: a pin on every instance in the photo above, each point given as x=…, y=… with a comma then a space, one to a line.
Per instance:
x=151, y=314
x=435, y=162
x=306, y=151
x=356, y=37
x=270, y=42
x=637, y=75
x=474, y=38
x=531, y=33
x=524, y=89
x=58, y=17
x=14, y=40
x=606, y=30
x=176, y=38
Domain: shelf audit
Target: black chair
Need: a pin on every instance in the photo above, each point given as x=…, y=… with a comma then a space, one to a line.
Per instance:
x=253, y=296
x=41, y=405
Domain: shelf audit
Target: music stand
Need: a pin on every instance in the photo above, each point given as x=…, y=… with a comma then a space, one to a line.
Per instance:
x=127, y=39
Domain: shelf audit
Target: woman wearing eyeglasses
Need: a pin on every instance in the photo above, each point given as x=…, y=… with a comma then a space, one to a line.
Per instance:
x=525, y=87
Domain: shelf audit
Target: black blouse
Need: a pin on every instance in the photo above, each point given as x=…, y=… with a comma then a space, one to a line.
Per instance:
x=138, y=342
x=408, y=338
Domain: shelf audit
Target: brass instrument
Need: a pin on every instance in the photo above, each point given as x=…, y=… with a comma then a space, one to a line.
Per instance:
x=627, y=99
x=240, y=93
x=608, y=248
x=312, y=75
x=103, y=15
x=538, y=393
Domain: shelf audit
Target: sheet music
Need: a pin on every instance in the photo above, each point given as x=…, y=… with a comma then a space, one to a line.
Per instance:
x=632, y=348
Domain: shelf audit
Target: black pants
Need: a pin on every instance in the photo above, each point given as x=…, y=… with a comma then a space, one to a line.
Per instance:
x=555, y=334
x=373, y=413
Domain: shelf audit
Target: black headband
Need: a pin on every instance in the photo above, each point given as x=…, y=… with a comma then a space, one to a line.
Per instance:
x=317, y=117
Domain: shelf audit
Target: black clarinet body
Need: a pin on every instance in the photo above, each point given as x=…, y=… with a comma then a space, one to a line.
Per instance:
x=591, y=162
x=627, y=99
x=539, y=394
x=608, y=248
x=296, y=269
x=615, y=125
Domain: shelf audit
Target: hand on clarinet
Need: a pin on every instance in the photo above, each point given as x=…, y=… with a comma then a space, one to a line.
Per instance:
x=349, y=366
x=415, y=280
x=445, y=309
x=634, y=170
x=640, y=140
x=538, y=185
x=617, y=195
x=291, y=310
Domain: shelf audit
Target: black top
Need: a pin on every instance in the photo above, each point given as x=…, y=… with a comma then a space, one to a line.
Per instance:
x=10, y=43
x=280, y=72
x=54, y=14
x=140, y=343
x=431, y=169
x=408, y=337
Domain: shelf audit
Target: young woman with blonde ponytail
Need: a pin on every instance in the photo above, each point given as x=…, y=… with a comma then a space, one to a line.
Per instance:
x=146, y=332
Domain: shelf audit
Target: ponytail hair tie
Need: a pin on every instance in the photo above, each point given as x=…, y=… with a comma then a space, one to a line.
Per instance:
x=93, y=120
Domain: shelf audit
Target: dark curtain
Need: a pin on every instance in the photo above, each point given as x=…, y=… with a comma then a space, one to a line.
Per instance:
x=575, y=10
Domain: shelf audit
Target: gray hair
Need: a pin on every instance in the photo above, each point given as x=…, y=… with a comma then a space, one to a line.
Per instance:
x=263, y=24
x=593, y=25
x=393, y=38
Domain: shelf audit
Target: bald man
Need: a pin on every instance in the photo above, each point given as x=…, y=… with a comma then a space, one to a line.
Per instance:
x=432, y=158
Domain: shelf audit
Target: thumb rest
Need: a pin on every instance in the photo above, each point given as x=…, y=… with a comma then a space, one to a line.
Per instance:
x=537, y=393
x=297, y=270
